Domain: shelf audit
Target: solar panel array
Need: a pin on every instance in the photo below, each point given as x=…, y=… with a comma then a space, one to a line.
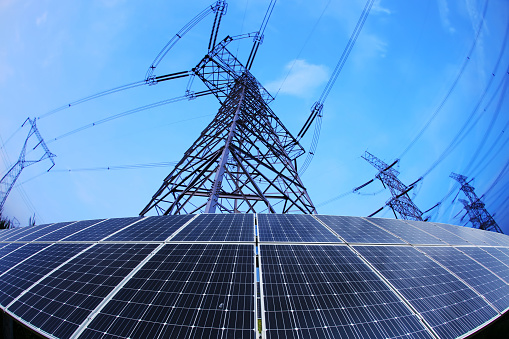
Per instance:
x=246, y=276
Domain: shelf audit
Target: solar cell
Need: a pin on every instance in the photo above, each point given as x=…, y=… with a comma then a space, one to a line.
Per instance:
x=63, y=300
x=63, y=232
x=101, y=230
x=499, y=253
x=185, y=291
x=357, y=230
x=488, y=261
x=439, y=232
x=483, y=281
x=447, y=304
x=327, y=291
x=41, y=231
x=23, y=275
x=151, y=228
x=406, y=232
x=218, y=227
x=293, y=228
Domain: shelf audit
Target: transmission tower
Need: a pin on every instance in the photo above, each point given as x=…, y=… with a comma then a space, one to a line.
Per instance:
x=9, y=179
x=479, y=216
x=244, y=161
x=400, y=202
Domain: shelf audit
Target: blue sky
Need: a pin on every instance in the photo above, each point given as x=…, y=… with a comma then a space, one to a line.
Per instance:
x=404, y=64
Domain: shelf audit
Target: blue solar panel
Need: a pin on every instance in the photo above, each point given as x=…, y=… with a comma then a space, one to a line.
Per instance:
x=406, y=232
x=14, y=253
x=488, y=261
x=293, y=228
x=469, y=234
x=63, y=300
x=483, y=281
x=448, y=305
x=17, y=233
x=439, y=232
x=357, y=230
x=63, y=232
x=42, y=231
x=23, y=275
x=151, y=228
x=101, y=230
x=185, y=291
x=328, y=292
x=218, y=227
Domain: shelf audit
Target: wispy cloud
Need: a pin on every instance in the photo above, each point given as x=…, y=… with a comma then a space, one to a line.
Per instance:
x=377, y=8
x=41, y=19
x=300, y=78
x=443, y=9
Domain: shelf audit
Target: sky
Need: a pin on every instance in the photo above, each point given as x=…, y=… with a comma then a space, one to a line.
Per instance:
x=422, y=84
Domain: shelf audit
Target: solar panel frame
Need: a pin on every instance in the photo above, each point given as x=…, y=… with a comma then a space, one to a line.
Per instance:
x=270, y=229
x=202, y=228
x=430, y=289
x=358, y=230
x=170, y=306
x=351, y=299
x=494, y=289
x=63, y=300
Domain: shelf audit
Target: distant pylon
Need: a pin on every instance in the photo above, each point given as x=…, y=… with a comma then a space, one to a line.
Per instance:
x=400, y=202
x=244, y=160
x=479, y=216
x=9, y=179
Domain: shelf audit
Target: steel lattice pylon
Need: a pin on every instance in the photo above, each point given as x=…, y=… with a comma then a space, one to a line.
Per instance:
x=9, y=179
x=400, y=202
x=477, y=213
x=244, y=160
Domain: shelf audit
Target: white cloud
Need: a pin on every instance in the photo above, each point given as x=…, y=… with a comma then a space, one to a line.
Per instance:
x=300, y=78
x=377, y=8
x=443, y=9
x=41, y=19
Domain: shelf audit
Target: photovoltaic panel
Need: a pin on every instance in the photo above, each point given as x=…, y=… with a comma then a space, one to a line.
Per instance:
x=503, y=239
x=151, y=228
x=328, y=292
x=465, y=233
x=483, y=281
x=23, y=275
x=358, y=230
x=101, y=230
x=498, y=253
x=14, y=233
x=184, y=291
x=505, y=251
x=488, y=261
x=438, y=232
x=42, y=231
x=447, y=304
x=406, y=232
x=63, y=300
x=63, y=232
x=293, y=228
x=17, y=233
x=14, y=253
x=218, y=227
